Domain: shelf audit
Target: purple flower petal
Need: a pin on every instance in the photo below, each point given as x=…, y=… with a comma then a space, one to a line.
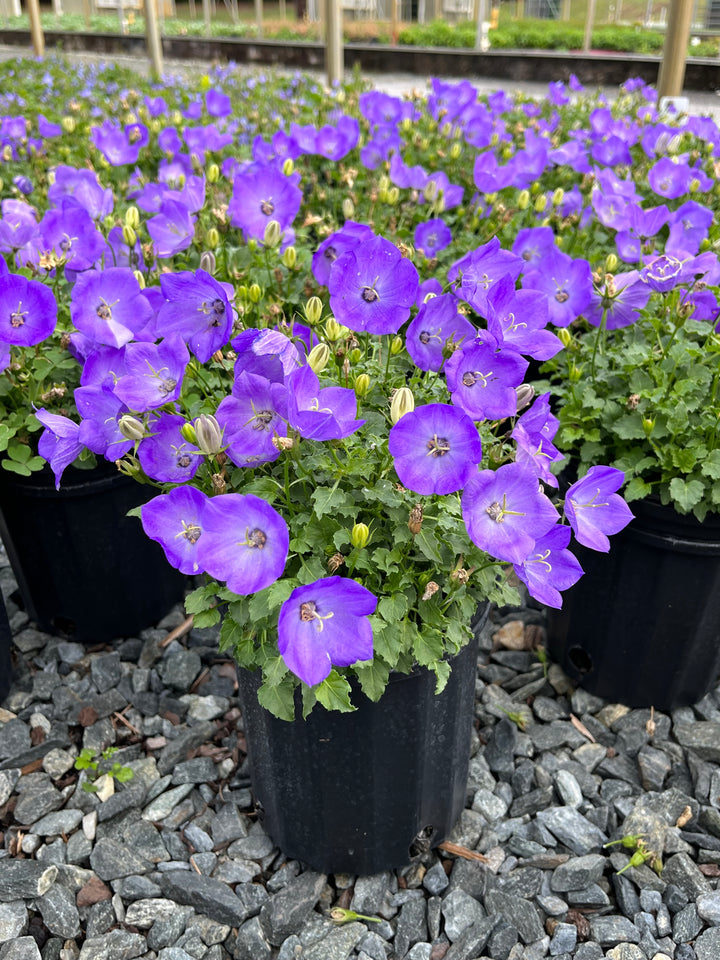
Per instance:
x=594, y=509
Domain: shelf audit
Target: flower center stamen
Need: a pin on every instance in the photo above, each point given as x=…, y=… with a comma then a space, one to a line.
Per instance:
x=267, y=207
x=308, y=612
x=438, y=446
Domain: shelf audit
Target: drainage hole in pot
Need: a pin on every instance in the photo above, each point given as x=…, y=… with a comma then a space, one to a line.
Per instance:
x=64, y=625
x=422, y=842
x=580, y=659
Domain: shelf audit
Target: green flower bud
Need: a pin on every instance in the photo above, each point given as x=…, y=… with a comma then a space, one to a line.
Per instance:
x=213, y=173
x=362, y=385
x=68, y=124
x=611, y=262
x=252, y=244
x=402, y=402
x=446, y=129
x=140, y=277
x=132, y=217
x=393, y=195
x=109, y=221
x=430, y=191
x=131, y=428
x=208, y=262
x=188, y=432
x=540, y=203
x=272, y=235
x=155, y=125
x=348, y=208
x=360, y=535
x=406, y=124
x=455, y=151
x=255, y=293
x=319, y=357
x=129, y=235
x=289, y=257
x=333, y=330
x=313, y=310
x=648, y=424
x=523, y=200
x=694, y=185
x=558, y=196
x=574, y=373
x=564, y=336
x=212, y=237
x=209, y=434
x=288, y=166
x=242, y=292
x=396, y=345
x=355, y=355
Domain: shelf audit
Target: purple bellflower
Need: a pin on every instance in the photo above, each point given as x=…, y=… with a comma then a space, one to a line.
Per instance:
x=670, y=179
x=320, y=414
x=533, y=435
x=622, y=299
x=550, y=567
x=153, y=374
x=566, y=283
x=594, y=509
x=59, y=442
x=108, y=307
x=347, y=238
x=28, y=311
x=436, y=449
x=99, y=431
x=482, y=381
x=165, y=455
x=437, y=322
x=517, y=320
x=252, y=418
x=197, y=309
x=476, y=272
x=432, y=237
x=261, y=194
x=17, y=226
x=505, y=512
x=172, y=229
x=323, y=624
x=373, y=287
x=265, y=353
x=177, y=520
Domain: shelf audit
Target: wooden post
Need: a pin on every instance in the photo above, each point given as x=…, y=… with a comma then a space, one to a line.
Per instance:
x=57, y=8
x=152, y=37
x=589, y=21
x=672, y=69
x=393, y=22
x=520, y=10
x=259, y=17
x=86, y=13
x=206, y=16
x=421, y=11
x=566, y=9
x=283, y=11
x=334, y=60
x=36, y=30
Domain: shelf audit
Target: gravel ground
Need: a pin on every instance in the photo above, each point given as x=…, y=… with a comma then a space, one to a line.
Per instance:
x=174, y=864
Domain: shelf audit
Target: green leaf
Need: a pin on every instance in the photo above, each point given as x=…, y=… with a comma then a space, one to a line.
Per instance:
x=206, y=618
x=124, y=774
x=387, y=639
x=442, y=670
x=89, y=787
x=637, y=489
x=267, y=601
x=427, y=543
x=14, y=467
x=278, y=699
x=684, y=458
x=630, y=427
x=393, y=608
x=135, y=512
x=264, y=487
x=274, y=670
x=373, y=677
x=331, y=500
x=428, y=646
x=686, y=493
x=334, y=693
x=711, y=465
x=231, y=633
x=201, y=599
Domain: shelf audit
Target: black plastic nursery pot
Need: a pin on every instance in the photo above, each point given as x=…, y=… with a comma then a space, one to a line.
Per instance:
x=642, y=627
x=6, y=672
x=85, y=570
x=365, y=791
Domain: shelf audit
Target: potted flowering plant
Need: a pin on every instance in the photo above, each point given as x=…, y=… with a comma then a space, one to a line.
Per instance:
x=638, y=389
x=332, y=438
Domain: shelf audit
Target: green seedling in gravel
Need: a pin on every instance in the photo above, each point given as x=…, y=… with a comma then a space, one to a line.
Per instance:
x=541, y=654
x=518, y=719
x=632, y=841
x=339, y=915
x=98, y=766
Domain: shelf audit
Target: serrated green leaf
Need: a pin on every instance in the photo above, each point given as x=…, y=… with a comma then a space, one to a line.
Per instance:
x=686, y=493
x=442, y=670
x=711, y=465
x=427, y=645
x=332, y=501
x=278, y=699
x=428, y=544
x=334, y=693
x=684, y=458
x=393, y=608
x=267, y=601
x=274, y=670
x=200, y=599
x=629, y=427
x=373, y=677
x=637, y=489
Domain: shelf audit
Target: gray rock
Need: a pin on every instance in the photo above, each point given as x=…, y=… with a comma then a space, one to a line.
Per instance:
x=564, y=939
x=59, y=912
x=472, y=941
x=489, y=805
x=144, y=913
x=112, y=860
x=26, y=879
x=702, y=737
x=197, y=770
x=53, y=824
x=115, y=945
x=228, y=825
x=285, y=912
x=188, y=739
x=136, y=888
x=203, y=893
x=612, y=930
x=167, y=931
x=460, y=911
x=201, y=841
x=100, y=918
x=421, y=951
x=163, y=806
x=8, y=779
x=436, y=880
x=686, y=924
x=572, y=829
x=568, y=788
x=683, y=872
x=589, y=951
x=371, y=891
x=13, y=919
x=707, y=945
x=37, y=800
x=254, y=846
x=337, y=944
x=708, y=907
x=14, y=738
x=24, y=948
x=106, y=671
x=578, y=873
x=654, y=767
x=180, y=669
x=626, y=951
x=411, y=926
x=500, y=749
x=519, y=913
